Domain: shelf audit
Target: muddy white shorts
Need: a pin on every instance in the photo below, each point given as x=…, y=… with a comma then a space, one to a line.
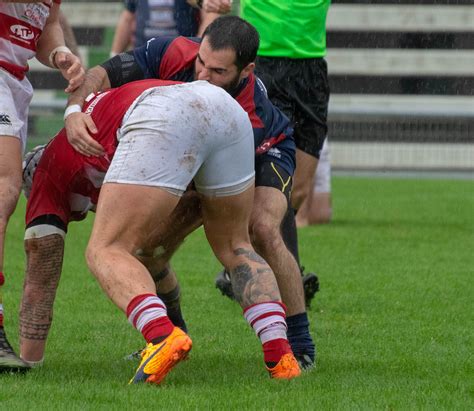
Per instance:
x=322, y=178
x=172, y=135
x=15, y=98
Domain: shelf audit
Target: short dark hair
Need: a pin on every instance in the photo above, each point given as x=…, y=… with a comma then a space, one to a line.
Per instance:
x=232, y=32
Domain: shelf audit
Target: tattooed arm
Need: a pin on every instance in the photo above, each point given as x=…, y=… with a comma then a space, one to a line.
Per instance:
x=43, y=270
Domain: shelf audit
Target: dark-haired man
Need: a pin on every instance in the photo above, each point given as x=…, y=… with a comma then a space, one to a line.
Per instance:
x=224, y=57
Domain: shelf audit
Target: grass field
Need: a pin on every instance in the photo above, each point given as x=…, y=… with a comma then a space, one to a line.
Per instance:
x=393, y=321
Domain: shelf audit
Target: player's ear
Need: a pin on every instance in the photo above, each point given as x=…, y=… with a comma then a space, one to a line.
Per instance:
x=247, y=70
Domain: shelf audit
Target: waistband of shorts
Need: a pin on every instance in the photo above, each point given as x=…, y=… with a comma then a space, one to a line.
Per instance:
x=16, y=71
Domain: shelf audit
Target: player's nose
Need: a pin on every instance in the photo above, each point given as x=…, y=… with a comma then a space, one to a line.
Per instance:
x=204, y=74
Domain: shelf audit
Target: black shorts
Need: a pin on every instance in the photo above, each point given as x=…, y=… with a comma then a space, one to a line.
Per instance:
x=271, y=174
x=300, y=88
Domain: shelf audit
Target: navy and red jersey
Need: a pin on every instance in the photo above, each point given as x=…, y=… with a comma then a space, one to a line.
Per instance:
x=173, y=58
x=66, y=183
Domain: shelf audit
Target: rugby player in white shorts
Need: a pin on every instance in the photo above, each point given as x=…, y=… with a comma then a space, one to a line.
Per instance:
x=169, y=137
x=27, y=30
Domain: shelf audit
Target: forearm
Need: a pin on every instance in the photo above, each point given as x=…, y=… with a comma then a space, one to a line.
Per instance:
x=212, y=6
x=96, y=80
x=51, y=37
x=206, y=19
x=123, y=33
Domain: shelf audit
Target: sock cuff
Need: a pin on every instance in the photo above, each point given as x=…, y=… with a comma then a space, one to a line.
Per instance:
x=298, y=319
x=267, y=318
x=2, y=279
x=252, y=307
x=135, y=301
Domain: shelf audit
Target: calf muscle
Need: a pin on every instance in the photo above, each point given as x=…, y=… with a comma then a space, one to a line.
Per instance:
x=44, y=264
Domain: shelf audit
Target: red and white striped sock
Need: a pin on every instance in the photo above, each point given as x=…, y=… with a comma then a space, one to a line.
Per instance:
x=268, y=321
x=147, y=313
x=2, y=281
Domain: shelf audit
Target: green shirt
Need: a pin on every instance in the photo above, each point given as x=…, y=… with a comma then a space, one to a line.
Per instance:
x=288, y=28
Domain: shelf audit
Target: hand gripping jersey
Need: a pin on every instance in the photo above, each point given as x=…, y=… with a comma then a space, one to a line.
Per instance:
x=21, y=25
x=173, y=59
x=67, y=184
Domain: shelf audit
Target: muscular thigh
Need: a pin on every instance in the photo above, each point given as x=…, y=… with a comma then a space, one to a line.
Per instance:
x=273, y=187
x=127, y=213
x=269, y=208
x=15, y=97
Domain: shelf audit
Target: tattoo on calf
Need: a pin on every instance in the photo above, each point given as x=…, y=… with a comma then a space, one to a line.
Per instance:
x=251, y=255
x=242, y=283
x=45, y=257
x=251, y=288
x=32, y=331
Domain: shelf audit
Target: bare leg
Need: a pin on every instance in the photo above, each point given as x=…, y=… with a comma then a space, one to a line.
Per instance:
x=316, y=209
x=270, y=206
x=225, y=221
x=43, y=271
x=10, y=184
x=119, y=232
x=169, y=234
x=303, y=178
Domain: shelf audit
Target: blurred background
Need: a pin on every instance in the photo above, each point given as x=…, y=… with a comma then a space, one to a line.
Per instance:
x=401, y=77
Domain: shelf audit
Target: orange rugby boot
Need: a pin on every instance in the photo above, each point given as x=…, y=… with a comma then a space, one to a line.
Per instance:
x=159, y=359
x=286, y=369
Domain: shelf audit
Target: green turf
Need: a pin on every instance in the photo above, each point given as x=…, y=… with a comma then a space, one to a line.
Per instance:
x=393, y=322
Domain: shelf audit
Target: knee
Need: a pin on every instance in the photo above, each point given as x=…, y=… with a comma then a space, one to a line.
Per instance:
x=266, y=236
x=299, y=193
x=9, y=200
x=93, y=256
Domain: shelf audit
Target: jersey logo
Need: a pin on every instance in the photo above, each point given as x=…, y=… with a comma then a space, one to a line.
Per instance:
x=22, y=32
x=5, y=119
x=98, y=97
x=274, y=152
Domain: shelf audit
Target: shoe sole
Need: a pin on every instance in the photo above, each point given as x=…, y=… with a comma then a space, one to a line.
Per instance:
x=13, y=365
x=180, y=348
